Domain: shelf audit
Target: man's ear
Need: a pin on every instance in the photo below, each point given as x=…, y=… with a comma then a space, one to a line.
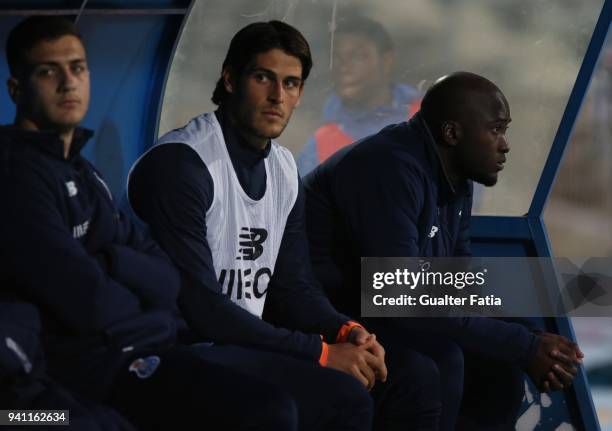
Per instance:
x=451, y=133
x=228, y=81
x=14, y=89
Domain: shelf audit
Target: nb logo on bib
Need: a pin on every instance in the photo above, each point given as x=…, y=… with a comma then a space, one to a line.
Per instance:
x=251, y=243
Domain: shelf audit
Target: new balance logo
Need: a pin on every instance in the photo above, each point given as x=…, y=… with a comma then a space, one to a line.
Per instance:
x=72, y=189
x=434, y=230
x=251, y=243
x=80, y=230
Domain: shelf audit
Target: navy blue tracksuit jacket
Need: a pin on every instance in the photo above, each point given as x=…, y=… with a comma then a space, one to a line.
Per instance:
x=100, y=286
x=388, y=195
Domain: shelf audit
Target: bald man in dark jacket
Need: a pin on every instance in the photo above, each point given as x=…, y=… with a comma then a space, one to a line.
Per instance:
x=407, y=191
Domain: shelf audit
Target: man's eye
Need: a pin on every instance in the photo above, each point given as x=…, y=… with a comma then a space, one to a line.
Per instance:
x=260, y=77
x=291, y=84
x=45, y=71
x=500, y=129
x=78, y=69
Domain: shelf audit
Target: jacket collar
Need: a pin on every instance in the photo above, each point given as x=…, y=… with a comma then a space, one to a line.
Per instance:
x=49, y=142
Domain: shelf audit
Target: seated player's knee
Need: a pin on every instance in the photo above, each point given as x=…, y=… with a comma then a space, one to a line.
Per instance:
x=351, y=393
x=275, y=409
x=450, y=356
x=417, y=376
x=450, y=362
x=357, y=395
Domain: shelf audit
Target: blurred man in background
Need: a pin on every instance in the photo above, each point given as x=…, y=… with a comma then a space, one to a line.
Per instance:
x=365, y=99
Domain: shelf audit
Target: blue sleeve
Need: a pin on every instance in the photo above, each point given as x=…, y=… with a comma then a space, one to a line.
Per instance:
x=136, y=261
x=308, y=158
x=295, y=299
x=146, y=272
x=50, y=267
x=171, y=189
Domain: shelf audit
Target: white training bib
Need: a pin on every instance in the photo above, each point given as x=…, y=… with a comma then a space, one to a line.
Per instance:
x=244, y=235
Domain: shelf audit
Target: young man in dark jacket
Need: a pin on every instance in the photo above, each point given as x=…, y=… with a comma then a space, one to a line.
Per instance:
x=105, y=293
x=406, y=191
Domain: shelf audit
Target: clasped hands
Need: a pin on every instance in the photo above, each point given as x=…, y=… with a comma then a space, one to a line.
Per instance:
x=361, y=356
x=555, y=363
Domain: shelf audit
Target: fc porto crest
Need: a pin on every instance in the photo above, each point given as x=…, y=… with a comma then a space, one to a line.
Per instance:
x=145, y=367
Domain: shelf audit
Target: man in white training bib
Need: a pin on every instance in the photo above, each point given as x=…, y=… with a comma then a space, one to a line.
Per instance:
x=225, y=202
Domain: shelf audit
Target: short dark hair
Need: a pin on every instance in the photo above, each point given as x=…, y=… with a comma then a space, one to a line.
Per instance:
x=372, y=30
x=257, y=38
x=30, y=32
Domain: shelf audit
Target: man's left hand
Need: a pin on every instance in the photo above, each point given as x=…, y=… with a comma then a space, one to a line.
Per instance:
x=362, y=338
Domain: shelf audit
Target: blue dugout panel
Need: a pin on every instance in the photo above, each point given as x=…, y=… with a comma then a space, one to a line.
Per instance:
x=526, y=236
x=130, y=46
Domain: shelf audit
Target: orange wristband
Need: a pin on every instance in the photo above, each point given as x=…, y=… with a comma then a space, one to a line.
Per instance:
x=324, y=353
x=345, y=330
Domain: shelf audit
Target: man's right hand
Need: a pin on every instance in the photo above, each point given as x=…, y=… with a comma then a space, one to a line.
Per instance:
x=354, y=360
x=554, y=364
